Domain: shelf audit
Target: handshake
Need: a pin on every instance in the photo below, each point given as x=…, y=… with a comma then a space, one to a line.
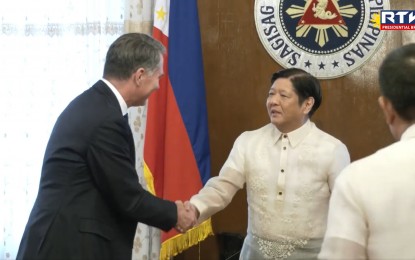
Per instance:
x=187, y=215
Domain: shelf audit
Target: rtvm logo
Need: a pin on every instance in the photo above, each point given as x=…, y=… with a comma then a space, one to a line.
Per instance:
x=395, y=20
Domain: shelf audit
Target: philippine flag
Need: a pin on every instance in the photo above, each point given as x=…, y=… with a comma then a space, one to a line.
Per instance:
x=176, y=147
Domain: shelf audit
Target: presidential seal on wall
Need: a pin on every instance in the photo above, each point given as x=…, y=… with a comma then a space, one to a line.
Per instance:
x=328, y=38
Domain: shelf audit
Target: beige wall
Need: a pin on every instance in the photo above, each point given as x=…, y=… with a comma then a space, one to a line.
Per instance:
x=237, y=71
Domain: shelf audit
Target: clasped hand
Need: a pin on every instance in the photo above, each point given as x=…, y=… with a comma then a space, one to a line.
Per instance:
x=187, y=215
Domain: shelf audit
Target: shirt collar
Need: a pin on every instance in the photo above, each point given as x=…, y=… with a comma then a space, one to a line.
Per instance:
x=121, y=101
x=276, y=134
x=409, y=133
x=295, y=137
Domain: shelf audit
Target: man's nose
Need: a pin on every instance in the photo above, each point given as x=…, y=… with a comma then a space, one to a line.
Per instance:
x=275, y=100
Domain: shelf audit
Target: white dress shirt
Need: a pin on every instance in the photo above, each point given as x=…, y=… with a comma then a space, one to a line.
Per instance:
x=289, y=178
x=121, y=101
x=372, y=209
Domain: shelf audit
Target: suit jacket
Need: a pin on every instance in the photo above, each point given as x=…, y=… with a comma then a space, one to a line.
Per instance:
x=90, y=199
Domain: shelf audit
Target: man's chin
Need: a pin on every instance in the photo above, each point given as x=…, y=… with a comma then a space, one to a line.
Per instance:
x=275, y=120
x=278, y=123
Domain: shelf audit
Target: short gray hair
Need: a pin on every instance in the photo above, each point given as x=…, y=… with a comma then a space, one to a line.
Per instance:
x=130, y=52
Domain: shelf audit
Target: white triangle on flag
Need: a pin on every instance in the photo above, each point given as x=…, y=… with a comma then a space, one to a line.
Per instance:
x=161, y=16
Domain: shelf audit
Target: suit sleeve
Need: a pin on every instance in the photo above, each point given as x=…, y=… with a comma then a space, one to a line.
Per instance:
x=114, y=173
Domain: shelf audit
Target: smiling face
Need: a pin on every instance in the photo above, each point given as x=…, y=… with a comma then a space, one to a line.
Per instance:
x=283, y=106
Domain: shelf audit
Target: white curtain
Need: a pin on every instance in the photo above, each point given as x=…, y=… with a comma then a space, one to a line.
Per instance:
x=50, y=52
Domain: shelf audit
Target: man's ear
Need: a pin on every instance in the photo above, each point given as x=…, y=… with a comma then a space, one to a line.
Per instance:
x=308, y=105
x=138, y=75
x=388, y=110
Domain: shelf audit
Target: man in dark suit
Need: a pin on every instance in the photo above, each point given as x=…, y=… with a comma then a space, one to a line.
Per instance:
x=89, y=199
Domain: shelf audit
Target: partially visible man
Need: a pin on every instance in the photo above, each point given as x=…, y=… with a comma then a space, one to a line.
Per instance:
x=289, y=167
x=372, y=208
x=89, y=199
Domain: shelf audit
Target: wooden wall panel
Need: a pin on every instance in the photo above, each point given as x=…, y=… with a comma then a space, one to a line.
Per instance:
x=237, y=72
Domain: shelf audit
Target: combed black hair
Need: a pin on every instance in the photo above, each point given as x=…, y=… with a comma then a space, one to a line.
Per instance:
x=305, y=85
x=397, y=80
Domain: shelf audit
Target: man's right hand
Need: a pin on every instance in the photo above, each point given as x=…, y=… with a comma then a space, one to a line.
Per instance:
x=186, y=218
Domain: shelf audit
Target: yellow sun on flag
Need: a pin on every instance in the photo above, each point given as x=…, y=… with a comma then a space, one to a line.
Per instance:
x=376, y=20
x=161, y=14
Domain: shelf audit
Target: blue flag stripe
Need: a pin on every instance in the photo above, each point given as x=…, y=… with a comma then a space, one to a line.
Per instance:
x=186, y=76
